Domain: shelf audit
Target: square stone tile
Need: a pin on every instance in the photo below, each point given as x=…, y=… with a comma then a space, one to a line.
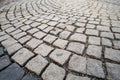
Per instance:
x=55, y=31
x=95, y=51
x=43, y=49
x=106, y=42
x=64, y=34
x=8, y=42
x=37, y=64
x=116, y=44
x=94, y=40
x=78, y=64
x=78, y=37
x=49, y=38
x=52, y=23
x=53, y=72
x=94, y=68
x=4, y=62
x=76, y=47
x=60, y=43
x=69, y=27
x=35, y=24
x=33, y=43
x=113, y=71
x=80, y=30
x=25, y=39
x=39, y=35
x=107, y=35
x=33, y=30
x=12, y=72
x=19, y=35
x=43, y=26
x=92, y=32
x=112, y=54
x=22, y=56
x=13, y=48
x=74, y=77
x=60, y=56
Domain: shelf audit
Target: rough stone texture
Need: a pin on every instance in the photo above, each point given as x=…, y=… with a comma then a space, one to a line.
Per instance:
x=53, y=72
x=29, y=77
x=13, y=48
x=74, y=77
x=65, y=34
x=13, y=72
x=22, y=56
x=95, y=51
x=60, y=43
x=113, y=71
x=4, y=62
x=43, y=49
x=112, y=54
x=33, y=43
x=37, y=64
x=49, y=38
x=106, y=42
x=39, y=35
x=8, y=42
x=92, y=32
x=94, y=40
x=60, y=56
x=1, y=51
x=76, y=47
x=78, y=63
x=78, y=37
x=42, y=26
x=116, y=44
x=107, y=35
x=94, y=67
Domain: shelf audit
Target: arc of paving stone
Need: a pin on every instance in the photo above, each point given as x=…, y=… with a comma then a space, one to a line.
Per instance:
x=70, y=30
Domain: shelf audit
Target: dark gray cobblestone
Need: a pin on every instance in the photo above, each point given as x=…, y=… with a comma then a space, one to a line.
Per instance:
x=60, y=40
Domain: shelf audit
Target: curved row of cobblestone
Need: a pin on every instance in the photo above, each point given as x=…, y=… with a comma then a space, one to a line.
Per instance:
x=61, y=39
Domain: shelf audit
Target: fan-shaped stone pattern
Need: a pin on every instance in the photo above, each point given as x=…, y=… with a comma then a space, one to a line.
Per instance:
x=66, y=34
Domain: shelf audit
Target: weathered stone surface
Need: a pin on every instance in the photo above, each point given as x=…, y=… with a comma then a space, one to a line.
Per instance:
x=13, y=48
x=24, y=39
x=22, y=56
x=106, y=42
x=112, y=54
x=13, y=72
x=50, y=39
x=39, y=35
x=4, y=62
x=113, y=71
x=60, y=56
x=64, y=34
x=74, y=77
x=78, y=63
x=53, y=72
x=37, y=64
x=78, y=37
x=60, y=43
x=94, y=40
x=116, y=44
x=107, y=35
x=76, y=47
x=43, y=49
x=94, y=67
x=33, y=43
x=92, y=32
x=8, y=42
x=29, y=77
x=95, y=51
x=1, y=51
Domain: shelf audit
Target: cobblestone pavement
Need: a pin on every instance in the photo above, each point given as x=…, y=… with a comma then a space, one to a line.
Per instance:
x=60, y=40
